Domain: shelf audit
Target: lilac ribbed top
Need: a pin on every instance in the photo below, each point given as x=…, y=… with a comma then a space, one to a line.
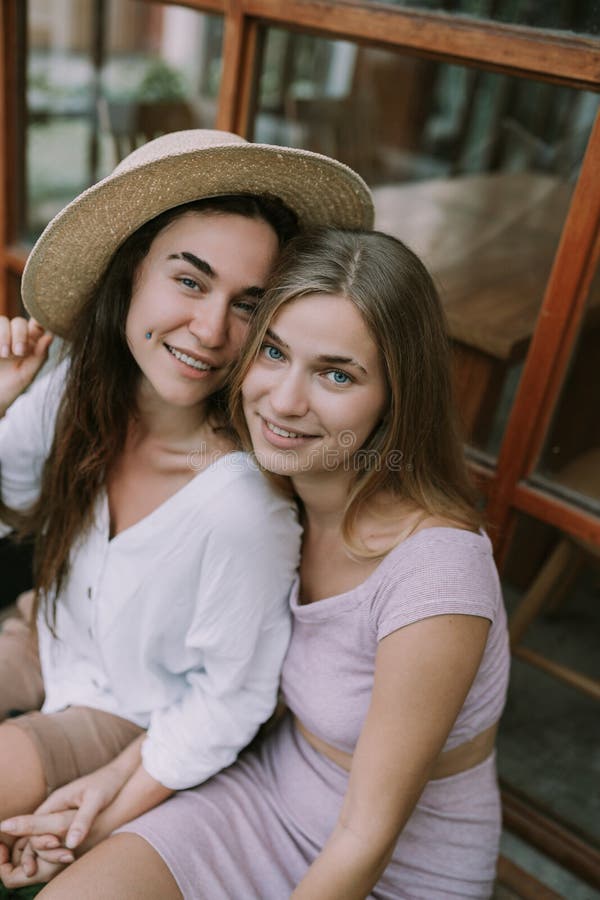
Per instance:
x=328, y=672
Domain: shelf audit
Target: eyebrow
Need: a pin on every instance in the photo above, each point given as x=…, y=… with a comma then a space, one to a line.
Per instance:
x=207, y=269
x=195, y=261
x=323, y=358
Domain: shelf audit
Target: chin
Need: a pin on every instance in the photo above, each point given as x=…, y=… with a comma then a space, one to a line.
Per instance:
x=278, y=463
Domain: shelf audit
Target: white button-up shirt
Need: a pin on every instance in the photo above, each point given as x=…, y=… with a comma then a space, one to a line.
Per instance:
x=179, y=623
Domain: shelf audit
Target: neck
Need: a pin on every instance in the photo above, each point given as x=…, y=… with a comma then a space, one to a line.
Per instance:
x=173, y=425
x=324, y=498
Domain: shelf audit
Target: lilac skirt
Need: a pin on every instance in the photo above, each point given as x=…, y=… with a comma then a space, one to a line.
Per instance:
x=251, y=832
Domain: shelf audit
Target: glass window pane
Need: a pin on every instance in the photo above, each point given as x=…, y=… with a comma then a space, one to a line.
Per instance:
x=471, y=169
x=550, y=731
x=103, y=78
x=582, y=17
x=569, y=464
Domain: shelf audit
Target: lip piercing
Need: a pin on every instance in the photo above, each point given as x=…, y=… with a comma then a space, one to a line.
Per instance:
x=148, y=335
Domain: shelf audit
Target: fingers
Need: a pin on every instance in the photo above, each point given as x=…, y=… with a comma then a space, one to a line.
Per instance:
x=14, y=876
x=60, y=855
x=28, y=861
x=24, y=866
x=43, y=343
x=21, y=337
x=13, y=337
x=56, y=823
x=65, y=799
x=91, y=805
x=44, y=842
x=47, y=848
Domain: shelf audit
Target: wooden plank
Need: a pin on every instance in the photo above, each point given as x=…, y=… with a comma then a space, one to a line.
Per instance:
x=558, y=323
x=208, y=6
x=5, y=30
x=572, y=677
x=525, y=886
x=558, y=56
x=552, y=838
x=582, y=525
x=237, y=88
x=11, y=163
x=247, y=95
x=482, y=475
x=14, y=259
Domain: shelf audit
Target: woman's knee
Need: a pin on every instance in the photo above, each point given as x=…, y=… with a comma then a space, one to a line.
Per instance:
x=21, y=685
x=123, y=867
x=23, y=785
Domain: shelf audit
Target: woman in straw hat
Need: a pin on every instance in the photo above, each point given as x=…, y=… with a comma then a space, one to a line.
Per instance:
x=164, y=559
x=380, y=780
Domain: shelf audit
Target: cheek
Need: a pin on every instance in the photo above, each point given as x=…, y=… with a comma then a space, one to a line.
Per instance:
x=257, y=385
x=238, y=333
x=250, y=387
x=132, y=326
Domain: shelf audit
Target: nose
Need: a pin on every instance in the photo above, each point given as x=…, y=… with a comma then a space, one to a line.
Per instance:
x=209, y=323
x=289, y=397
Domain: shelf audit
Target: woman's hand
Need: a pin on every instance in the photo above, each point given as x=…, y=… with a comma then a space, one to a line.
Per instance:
x=22, y=866
x=23, y=350
x=69, y=812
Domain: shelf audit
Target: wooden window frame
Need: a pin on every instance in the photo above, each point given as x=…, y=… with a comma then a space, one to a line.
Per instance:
x=561, y=58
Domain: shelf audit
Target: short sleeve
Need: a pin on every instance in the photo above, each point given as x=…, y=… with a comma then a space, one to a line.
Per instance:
x=433, y=576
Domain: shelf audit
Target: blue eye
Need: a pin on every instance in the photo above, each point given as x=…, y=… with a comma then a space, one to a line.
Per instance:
x=338, y=377
x=190, y=283
x=272, y=352
x=246, y=306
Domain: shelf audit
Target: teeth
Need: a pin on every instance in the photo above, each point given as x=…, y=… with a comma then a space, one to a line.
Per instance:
x=188, y=360
x=282, y=432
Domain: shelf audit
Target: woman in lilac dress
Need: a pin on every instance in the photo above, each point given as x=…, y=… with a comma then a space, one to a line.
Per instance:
x=379, y=781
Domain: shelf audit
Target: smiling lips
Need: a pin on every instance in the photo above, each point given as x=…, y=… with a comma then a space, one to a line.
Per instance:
x=286, y=436
x=192, y=361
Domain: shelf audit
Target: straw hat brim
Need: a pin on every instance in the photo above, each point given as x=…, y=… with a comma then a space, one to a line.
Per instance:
x=71, y=255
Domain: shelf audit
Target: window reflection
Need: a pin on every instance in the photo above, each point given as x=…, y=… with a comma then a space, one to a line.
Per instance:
x=582, y=16
x=103, y=77
x=471, y=169
x=569, y=464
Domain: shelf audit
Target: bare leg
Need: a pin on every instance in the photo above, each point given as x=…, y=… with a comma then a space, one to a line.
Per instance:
x=21, y=686
x=22, y=785
x=123, y=867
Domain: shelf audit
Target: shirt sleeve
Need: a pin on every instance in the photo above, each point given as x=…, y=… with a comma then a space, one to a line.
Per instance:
x=26, y=434
x=242, y=626
x=441, y=576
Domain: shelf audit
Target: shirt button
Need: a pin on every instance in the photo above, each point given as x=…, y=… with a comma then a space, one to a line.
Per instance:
x=89, y=593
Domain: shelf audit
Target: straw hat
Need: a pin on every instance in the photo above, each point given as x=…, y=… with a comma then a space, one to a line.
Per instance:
x=72, y=253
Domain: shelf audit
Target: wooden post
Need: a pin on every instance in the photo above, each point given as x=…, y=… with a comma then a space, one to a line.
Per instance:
x=12, y=157
x=239, y=79
x=558, y=323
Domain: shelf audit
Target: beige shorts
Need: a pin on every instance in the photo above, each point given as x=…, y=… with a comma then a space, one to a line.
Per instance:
x=76, y=741
x=70, y=743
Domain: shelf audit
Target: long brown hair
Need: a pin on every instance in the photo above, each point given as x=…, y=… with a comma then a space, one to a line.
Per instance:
x=416, y=452
x=99, y=399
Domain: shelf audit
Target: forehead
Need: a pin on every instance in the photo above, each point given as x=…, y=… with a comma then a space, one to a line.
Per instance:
x=232, y=244
x=324, y=324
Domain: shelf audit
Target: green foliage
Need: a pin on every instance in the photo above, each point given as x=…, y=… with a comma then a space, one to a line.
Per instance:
x=25, y=893
x=161, y=82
